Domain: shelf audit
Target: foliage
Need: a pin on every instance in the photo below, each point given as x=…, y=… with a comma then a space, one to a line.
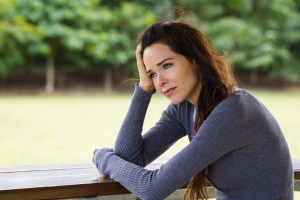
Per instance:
x=14, y=31
x=119, y=35
x=259, y=35
x=83, y=34
x=65, y=25
x=87, y=32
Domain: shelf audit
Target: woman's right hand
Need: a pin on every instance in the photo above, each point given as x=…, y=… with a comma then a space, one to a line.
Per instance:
x=146, y=83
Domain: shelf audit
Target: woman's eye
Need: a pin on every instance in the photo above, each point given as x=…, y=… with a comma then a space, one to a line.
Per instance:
x=152, y=75
x=168, y=65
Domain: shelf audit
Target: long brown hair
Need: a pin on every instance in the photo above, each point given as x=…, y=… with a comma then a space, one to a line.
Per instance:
x=214, y=73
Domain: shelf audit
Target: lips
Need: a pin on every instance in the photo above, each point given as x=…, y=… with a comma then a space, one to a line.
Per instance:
x=169, y=91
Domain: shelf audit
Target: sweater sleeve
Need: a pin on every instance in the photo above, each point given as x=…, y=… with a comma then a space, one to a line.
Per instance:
x=140, y=149
x=216, y=137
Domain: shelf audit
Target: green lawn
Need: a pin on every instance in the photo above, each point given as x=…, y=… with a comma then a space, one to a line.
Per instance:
x=59, y=129
x=56, y=129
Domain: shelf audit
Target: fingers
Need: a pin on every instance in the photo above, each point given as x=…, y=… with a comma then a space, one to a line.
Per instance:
x=139, y=57
x=104, y=177
x=138, y=51
x=140, y=62
x=146, y=83
x=139, y=47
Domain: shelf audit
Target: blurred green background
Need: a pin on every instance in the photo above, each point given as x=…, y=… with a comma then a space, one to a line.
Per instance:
x=53, y=44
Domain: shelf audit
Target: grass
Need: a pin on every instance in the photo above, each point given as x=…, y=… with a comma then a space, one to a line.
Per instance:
x=59, y=129
x=56, y=129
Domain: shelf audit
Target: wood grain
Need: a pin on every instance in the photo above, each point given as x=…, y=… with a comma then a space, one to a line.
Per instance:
x=71, y=180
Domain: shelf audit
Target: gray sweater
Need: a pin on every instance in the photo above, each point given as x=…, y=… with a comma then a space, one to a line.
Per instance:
x=240, y=142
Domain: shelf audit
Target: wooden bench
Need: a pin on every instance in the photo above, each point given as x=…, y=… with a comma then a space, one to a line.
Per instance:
x=75, y=180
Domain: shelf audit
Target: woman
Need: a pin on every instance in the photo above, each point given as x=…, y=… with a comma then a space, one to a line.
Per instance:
x=235, y=142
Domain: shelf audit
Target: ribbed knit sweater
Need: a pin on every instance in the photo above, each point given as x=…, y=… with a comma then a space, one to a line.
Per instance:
x=240, y=142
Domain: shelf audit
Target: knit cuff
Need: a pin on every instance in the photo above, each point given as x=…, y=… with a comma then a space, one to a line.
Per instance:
x=137, y=87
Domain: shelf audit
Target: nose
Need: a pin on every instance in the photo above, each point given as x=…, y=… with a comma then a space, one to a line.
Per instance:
x=161, y=80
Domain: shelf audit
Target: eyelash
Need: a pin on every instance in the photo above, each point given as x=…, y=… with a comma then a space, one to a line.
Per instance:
x=165, y=66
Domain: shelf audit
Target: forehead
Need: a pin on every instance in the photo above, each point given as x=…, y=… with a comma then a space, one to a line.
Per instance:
x=156, y=53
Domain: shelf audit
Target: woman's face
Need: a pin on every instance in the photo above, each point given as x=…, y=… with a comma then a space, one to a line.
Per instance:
x=172, y=74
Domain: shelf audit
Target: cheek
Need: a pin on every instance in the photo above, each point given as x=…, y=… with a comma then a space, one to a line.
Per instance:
x=178, y=77
x=156, y=85
x=173, y=74
x=158, y=88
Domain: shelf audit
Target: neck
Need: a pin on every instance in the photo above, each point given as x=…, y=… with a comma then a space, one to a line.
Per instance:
x=193, y=99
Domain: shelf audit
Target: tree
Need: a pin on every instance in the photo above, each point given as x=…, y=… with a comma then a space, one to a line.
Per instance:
x=15, y=32
x=259, y=35
x=89, y=33
x=119, y=35
x=65, y=26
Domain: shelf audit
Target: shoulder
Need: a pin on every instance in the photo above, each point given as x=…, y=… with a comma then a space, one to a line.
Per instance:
x=240, y=100
x=244, y=107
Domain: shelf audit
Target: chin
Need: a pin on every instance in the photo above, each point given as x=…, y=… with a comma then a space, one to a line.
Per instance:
x=176, y=101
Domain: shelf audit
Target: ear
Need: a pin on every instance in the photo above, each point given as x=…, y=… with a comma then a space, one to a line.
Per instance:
x=193, y=62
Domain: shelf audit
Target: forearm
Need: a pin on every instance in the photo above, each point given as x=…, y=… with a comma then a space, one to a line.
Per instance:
x=128, y=144
x=146, y=184
x=157, y=184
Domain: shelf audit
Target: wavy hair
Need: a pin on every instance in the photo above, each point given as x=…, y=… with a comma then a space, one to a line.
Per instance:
x=213, y=71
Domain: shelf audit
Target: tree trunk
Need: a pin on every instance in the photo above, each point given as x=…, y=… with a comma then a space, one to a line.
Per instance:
x=108, y=80
x=50, y=71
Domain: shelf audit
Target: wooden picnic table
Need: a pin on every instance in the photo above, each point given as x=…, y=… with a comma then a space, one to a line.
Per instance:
x=69, y=180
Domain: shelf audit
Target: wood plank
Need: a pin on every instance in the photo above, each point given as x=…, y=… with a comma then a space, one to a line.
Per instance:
x=70, y=180
x=68, y=191
x=52, y=175
x=45, y=167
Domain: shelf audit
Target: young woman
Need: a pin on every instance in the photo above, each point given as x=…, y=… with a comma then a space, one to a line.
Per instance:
x=235, y=142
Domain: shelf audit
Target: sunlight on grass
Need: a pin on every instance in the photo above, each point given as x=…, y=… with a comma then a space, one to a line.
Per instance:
x=44, y=129
x=57, y=129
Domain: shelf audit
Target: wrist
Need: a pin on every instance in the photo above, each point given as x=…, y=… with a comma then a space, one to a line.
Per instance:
x=147, y=88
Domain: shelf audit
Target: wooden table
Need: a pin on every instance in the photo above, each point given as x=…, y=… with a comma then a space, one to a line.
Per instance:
x=71, y=180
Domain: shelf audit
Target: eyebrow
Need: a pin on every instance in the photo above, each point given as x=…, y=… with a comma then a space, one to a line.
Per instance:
x=158, y=64
x=164, y=60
